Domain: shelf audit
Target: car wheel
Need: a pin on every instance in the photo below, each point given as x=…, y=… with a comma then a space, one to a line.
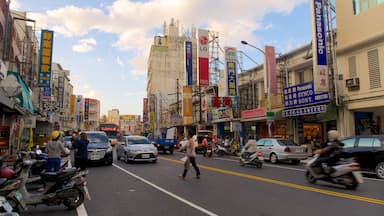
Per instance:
x=126, y=158
x=171, y=151
x=273, y=158
x=154, y=161
x=380, y=170
x=310, y=178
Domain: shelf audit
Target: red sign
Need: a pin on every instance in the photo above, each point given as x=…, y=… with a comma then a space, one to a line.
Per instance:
x=227, y=101
x=253, y=113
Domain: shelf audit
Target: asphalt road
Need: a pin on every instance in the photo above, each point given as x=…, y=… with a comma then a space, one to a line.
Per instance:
x=225, y=188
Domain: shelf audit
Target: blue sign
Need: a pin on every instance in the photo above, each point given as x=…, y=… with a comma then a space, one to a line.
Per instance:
x=320, y=33
x=305, y=110
x=188, y=62
x=231, y=81
x=303, y=95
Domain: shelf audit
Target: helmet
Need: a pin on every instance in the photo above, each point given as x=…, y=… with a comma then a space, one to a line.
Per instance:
x=55, y=134
x=332, y=135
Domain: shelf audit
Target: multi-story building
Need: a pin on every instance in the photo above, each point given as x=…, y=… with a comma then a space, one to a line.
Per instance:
x=360, y=61
x=91, y=114
x=113, y=116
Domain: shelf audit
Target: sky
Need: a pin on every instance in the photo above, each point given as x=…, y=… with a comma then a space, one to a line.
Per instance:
x=105, y=43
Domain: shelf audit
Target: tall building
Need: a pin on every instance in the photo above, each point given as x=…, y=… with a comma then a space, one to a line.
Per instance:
x=91, y=114
x=360, y=60
x=130, y=124
x=113, y=116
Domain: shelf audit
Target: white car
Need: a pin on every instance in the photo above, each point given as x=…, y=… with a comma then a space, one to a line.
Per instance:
x=136, y=148
x=278, y=149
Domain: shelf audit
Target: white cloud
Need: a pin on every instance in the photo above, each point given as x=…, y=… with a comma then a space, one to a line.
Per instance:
x=84, y=45
x=134, y=22
x=15, y=5
x=119, y=61
x=99, y=60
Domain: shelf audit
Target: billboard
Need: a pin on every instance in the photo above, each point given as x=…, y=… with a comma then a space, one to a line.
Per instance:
x=188, y=63
x=303, y=95
x=231, y=70
x=319, y=47
x=270, y=70
x=46, y=44
x=187, y=105
x=203, y=53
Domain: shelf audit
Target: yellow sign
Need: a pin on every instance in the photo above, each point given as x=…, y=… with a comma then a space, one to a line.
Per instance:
x=187, y=105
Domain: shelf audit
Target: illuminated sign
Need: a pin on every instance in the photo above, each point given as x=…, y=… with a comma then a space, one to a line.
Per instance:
x=46, y=44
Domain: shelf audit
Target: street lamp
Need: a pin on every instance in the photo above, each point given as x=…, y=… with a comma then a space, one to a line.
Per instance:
x=269, y=108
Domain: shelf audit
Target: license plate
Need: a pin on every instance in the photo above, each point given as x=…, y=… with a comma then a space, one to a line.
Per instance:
x=261, y=158
x=95, y=157
x=145, y=156
x=166, y=147
x=299, y=150
x=358, y=176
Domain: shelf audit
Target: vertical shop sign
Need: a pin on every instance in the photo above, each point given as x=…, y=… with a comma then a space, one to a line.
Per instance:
x=46, y=44
x=188, y=62
x=270, y=69
x=319, y=47
x=203, y=53
x=145, y=110
x=187, y=105
x=231, y=70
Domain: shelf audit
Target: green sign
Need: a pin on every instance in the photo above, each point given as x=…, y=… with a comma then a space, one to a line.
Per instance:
x=270, y=114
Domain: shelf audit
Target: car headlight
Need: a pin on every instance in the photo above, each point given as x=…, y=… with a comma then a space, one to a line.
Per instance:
x=133, y=150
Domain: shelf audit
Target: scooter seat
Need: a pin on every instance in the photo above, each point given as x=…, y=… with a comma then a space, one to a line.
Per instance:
x=60, y=176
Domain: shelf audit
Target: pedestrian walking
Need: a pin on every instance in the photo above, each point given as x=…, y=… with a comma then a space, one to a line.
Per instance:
x=191, y=157
x=81, y=151
x=54, y=150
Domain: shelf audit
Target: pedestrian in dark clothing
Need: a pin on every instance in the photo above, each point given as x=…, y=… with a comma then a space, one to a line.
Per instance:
x=191, y=157
x=81, y=151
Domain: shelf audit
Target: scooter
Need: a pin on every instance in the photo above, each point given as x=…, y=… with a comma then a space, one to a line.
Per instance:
x=5, y=208
x=255, y=158
x=66, y=187
x=345, y=172
x=222, y=149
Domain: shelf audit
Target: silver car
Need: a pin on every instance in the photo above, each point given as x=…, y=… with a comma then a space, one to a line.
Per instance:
x=136, y=148
x=279, y=149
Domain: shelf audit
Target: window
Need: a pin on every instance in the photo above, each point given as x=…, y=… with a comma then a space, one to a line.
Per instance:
x=260, y=142
x=352, y=66
x=300, y=76
x=365, y=142
x=268, y=143
x=363, y=5
x=349, y=143
x=374, y=69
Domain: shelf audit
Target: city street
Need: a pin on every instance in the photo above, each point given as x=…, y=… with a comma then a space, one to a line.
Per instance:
x=225, y=188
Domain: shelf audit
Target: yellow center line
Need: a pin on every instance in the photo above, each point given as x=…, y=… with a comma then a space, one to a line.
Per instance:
x=291, y=185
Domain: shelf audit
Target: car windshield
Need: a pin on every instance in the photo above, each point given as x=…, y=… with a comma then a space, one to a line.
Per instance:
x=137, y=140
x=285, y=142
x=97, y=138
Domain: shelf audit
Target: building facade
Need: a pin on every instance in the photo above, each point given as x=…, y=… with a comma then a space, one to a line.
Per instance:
x=113, y=116
x=91, y=114
x=360, y=61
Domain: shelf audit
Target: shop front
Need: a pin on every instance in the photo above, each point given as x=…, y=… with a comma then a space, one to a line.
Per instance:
x=254, y=123
x=221, y=120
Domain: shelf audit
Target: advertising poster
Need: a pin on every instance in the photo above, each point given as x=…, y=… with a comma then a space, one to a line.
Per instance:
x=231, y=70
x=270, y=70
x=203, y=53
x=188, y=62
x=46, y=44
x=187, y=105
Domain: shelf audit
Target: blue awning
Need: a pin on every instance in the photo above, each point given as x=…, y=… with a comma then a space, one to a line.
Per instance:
x=25, y=94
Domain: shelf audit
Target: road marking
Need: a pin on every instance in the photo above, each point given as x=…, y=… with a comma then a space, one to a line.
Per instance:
x=166, y=192
x=81, y=211
x=287, y=184
x=296, y=169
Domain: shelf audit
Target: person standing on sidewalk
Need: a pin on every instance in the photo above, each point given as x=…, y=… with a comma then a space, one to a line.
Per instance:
x=54, y=149
x=191, y=157
x=81, y=151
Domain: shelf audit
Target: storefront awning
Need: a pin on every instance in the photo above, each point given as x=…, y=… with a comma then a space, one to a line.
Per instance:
x=25, y=94
x=261, y=118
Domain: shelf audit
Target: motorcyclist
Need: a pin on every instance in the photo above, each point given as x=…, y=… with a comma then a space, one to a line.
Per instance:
x=250, y=147
x=329, y=155
x=205, y=145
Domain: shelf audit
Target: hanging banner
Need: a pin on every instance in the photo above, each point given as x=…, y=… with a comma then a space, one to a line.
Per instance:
x=46, y=44
x=187, y=105
x=270, y=70
x=72, y=100
x=145, y=110
x=188, y=62
x=203, y=53
x=231, y=70
x=319, y=50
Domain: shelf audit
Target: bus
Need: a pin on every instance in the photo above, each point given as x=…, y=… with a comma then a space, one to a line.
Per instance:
x=112, y=130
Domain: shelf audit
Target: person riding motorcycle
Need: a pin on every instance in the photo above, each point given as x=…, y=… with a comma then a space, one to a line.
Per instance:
x=329, y=155
x=250, y=147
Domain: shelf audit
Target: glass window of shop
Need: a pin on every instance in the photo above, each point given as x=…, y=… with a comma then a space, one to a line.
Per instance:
x=313, y=135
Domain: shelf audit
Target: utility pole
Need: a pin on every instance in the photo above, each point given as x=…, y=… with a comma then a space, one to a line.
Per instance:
x=177, y=97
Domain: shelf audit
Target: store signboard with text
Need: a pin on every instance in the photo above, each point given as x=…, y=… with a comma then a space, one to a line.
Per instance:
x=303, y=95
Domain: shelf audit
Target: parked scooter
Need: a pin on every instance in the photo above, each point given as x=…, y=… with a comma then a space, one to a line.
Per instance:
x=66, y=187
x=255, y=158
x=346, y=172
x=5, y=208
x=225, y=148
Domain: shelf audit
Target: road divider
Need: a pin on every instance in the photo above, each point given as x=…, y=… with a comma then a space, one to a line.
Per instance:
x=286, y=184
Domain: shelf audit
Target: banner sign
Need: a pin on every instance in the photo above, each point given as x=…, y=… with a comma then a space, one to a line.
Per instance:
x=203, y=51
x=46, y=44
x=305, y=110
x=187, y=105
x=319, y=47
x=86, y=109
x=224, y=113
x=188, y=62
x=46, y=93
x=303, y=95
x=145, y=110
x=231, y=70
x=72, y=104
x=270, y=70
x=253, y=113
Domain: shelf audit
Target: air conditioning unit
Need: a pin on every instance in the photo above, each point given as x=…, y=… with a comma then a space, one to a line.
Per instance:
x=353, y=82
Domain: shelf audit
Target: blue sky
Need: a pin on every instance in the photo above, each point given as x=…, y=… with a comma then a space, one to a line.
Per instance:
x=105, y=43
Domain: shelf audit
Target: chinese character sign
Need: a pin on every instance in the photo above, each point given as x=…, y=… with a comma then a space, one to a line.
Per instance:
x=203, y=52
x=46, y=43
x=231, y=70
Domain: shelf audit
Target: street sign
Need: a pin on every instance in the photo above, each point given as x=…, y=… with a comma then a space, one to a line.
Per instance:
x=50, y=106
x=270, y=114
